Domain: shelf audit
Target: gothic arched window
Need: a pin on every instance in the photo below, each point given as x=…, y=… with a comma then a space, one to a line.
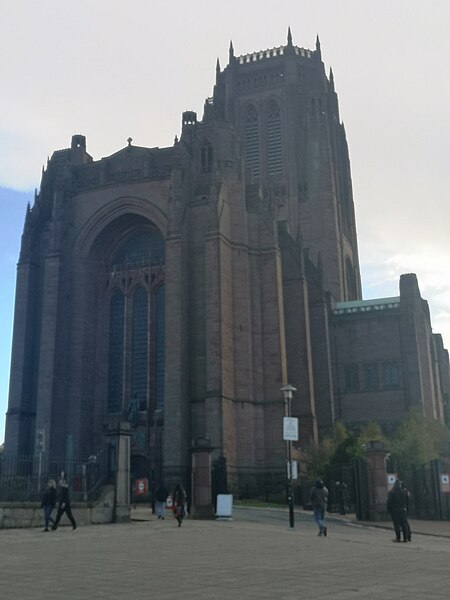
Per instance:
x=274, y=145
x=140, y=249
x=159, y=347
x=135, y=364
x=206, y=157
x=139, y=347
x=252, y=141
x=116, y=348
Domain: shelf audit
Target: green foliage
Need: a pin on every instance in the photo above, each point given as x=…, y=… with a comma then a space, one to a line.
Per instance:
x=338, y=450
x=418, y=440
x=371, y=432
x=340, y=432
x=349, y=448
x=318, y=457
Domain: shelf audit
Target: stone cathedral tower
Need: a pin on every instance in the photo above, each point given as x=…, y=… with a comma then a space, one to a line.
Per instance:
x=181, y=287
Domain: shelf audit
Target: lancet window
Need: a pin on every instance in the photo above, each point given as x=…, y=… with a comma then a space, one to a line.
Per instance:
x=206, y=157
x=274, y=143
x=136, y=325
x=252, y=158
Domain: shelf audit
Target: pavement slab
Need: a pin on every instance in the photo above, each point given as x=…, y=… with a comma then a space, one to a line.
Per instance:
x=254, y=556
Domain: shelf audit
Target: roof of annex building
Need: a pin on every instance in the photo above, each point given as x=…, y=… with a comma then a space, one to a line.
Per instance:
x=355, y=306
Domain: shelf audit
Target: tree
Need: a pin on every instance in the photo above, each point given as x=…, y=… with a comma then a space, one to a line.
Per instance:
x=317, y=458
x=350, y=447
x=418, y=440
x=333, y=452
x=371, y=432
x=338, y=450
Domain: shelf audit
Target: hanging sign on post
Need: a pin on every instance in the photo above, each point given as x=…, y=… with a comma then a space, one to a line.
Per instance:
x=290, y=429
x=292, y=469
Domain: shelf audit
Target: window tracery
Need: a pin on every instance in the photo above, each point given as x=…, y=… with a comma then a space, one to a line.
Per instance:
x=252, y=159
x=274, y=142
x=135, y=364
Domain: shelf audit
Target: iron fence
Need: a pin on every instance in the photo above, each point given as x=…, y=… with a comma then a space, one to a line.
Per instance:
x=24, y=478
x=428, y=498
x=343, y=486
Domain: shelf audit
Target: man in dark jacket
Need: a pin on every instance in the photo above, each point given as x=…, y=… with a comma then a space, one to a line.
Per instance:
x=396, y=507
x=64, y=505
x=48, y=502
x=407, y=496
x=319, y=500
x=161, y=498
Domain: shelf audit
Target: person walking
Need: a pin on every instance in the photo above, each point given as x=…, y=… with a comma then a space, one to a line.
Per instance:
x=396, y=507
x=161, y=498
x=179, y=498
x=342, y=494
x=406, y=497
x=64, y=505
x=319, y=500
x=48, y=502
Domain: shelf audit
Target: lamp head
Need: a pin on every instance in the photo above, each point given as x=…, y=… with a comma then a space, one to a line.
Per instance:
x=287, y=390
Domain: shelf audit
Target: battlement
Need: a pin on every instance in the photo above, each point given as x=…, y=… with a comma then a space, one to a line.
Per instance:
x=58, y=153
x=272, y=53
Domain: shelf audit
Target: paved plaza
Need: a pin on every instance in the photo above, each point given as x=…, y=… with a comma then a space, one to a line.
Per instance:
x=255, y=556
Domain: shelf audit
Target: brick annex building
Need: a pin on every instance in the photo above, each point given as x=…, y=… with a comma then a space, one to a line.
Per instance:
x=181, y=287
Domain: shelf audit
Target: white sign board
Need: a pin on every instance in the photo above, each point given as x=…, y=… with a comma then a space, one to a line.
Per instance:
x=290, y=429
x=224, y=506
x=445, y=483
x=292, y=469
x=391, y=479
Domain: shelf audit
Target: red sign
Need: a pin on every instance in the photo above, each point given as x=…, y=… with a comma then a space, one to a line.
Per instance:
x=141, y=487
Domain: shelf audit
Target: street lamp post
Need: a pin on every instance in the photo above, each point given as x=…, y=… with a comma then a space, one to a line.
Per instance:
x=290, y=434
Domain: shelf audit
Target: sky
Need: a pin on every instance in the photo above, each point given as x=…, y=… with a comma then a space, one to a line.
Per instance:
x=110, y=70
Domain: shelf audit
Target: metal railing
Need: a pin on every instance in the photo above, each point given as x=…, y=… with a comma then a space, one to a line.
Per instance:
x=24, y=478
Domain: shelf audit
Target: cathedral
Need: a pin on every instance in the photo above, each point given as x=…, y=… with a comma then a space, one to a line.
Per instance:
x=180, y=288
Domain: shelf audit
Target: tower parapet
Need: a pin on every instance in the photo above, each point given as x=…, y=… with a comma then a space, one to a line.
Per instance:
x=189, y=118
x=78, y=154
x=189, y=125
x=270, y=53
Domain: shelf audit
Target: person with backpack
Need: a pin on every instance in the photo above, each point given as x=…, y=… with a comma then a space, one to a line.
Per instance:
x=319, y=500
